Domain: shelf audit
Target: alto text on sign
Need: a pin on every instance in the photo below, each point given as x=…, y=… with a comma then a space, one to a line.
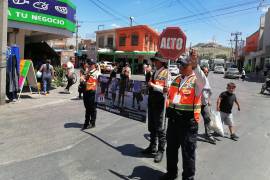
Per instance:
x=171, y=43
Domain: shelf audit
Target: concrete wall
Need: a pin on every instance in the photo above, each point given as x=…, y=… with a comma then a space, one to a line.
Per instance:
x=17, y=37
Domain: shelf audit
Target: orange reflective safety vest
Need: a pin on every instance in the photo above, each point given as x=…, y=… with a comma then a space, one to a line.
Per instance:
x=160, y=78
x=91, y=83
x=184, y=98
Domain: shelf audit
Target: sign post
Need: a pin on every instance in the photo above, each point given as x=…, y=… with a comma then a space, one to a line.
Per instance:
x=171, y=44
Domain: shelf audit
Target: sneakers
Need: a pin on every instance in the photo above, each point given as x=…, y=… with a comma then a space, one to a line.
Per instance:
x=67, y=91
x=168, y=176
x=89, y=126
x=149, y=151
x=92, y=125
x=85, y=127
x=234, y=137
x=158, y=157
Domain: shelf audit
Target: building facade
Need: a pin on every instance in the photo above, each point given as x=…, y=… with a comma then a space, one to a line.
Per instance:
x=134, y=45
x=136, y=38
x=105, y=39
x=35, y=21
x=257, y=50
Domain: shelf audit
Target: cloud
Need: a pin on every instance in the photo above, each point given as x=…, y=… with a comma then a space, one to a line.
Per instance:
x=264, y=9
x=115, y=25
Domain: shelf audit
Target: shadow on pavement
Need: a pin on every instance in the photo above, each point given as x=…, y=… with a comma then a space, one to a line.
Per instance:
x=201, y=138
x=126, y=150
x=73, y=125
x=140, y=173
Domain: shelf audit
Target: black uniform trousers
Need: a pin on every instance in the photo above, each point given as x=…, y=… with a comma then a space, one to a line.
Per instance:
x=156, y=125
x=182, y=132
x=90, y=107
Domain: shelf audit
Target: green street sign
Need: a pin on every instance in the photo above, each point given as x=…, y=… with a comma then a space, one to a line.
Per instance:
x=40, y=19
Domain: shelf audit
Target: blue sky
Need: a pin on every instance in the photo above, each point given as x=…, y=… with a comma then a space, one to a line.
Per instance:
x=201, y=20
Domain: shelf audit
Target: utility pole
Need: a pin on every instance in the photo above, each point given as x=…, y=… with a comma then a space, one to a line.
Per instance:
x=131, y=20
x=236, y=40
x=232, y=54
x=77, y=35
x=3, y=47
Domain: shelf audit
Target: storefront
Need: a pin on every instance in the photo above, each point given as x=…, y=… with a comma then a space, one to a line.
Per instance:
x=32, y=22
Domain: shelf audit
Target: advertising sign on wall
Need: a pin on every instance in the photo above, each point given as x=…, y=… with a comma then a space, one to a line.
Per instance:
x=126, y=98
x=59, y=14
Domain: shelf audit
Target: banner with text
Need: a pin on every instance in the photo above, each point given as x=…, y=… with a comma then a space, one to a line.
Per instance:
x=124, y=97
x=60, y=14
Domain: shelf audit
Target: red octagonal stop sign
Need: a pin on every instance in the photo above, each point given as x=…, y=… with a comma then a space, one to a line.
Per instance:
x=172, y=43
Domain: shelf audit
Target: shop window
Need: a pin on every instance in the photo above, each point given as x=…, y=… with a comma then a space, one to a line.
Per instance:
x=110, y=42
x=134, y=40
x=101, y=42
x=122, y=41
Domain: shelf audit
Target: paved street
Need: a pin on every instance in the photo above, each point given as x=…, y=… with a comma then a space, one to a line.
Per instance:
x=41, y=140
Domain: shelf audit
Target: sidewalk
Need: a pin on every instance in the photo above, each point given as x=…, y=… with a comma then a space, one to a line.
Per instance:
x=31, y=101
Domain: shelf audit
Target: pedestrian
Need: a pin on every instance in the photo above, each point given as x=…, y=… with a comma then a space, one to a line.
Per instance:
x=148, y=73
x=114, y=86
x=124, y=80
x=69, y=74
x=183, y=112
x=243, y=76
x=89, y=94
x=113, y=74
x=205, y=107
x=137, y=94
x=81, y=86
x=47, y=76
x=156, y=100
x=224, y=106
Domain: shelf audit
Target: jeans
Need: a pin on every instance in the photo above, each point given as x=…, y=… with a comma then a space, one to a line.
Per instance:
x=46, y=84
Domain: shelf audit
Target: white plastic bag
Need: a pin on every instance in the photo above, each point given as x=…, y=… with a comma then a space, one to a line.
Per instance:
x=216, y=124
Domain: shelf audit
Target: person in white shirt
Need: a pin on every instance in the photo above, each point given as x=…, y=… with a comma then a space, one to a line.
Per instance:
x=206, y=94
x=69, y=73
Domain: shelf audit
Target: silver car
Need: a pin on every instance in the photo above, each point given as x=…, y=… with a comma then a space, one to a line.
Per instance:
x=219, y=70
x=232, y=73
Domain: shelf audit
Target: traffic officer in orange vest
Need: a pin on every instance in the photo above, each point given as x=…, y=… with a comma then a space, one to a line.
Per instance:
x=89, y=95
x=156, y=100
x=183, y=112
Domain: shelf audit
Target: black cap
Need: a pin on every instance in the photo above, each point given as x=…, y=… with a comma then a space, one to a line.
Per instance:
x=158, y=57
x=184, y=61
x=90, y=61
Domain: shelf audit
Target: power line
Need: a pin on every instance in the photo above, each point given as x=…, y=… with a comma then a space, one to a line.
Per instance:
x=222, y=14
x=103, y=9
x=203, y=13
x=116, y=12
x=207, y=10
x=204, y=19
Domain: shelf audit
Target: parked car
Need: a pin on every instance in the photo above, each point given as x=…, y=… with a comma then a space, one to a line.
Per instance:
x=106, y=66
x=174, y=70
x=219, y=70
x=232, y=73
